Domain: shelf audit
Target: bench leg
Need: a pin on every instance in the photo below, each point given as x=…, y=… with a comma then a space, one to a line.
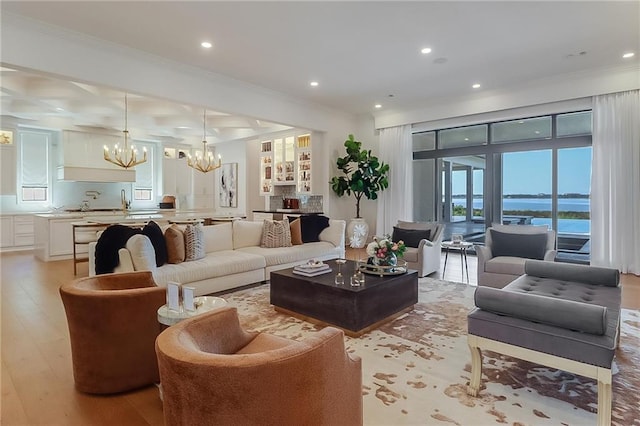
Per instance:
x=604, y=397
x=476, y=367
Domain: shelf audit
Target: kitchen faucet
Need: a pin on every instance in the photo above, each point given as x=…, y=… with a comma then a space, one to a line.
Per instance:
x=123, y=200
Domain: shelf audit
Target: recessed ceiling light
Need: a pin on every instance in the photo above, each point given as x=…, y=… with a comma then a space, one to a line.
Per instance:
x=206, y=44
x=377, y=106
x=59, y=109
x=628, y=55
x=314, y=84
x=183, y=127
x=476, y=86
x=466, y=139
x=425, y=50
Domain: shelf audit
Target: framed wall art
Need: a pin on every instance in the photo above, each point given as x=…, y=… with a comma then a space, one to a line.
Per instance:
x=228, y=185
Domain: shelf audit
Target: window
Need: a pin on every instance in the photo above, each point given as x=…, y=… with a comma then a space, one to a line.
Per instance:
x=573, y=124
x=521, y=130
x=424, y=141
x=462, y=136
x=34, y=159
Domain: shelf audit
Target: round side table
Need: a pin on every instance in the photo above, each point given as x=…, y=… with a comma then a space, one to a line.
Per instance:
x=462, y=247
x=203, y=304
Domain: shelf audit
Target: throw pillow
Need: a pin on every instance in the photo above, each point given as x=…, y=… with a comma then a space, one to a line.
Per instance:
x=312, y=226
x=411, y=237
x=194, y=243
x=153, y=231
x=174, y=239
x=530, y=246
x=276, y=233
x=143, y=255
x=296, y=232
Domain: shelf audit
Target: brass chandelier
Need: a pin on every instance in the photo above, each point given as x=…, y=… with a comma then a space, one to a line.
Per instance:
x=205, y=163
x=124, y=157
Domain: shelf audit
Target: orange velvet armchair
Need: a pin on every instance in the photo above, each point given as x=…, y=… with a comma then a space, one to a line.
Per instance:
x=113, y=325
x=215, y=373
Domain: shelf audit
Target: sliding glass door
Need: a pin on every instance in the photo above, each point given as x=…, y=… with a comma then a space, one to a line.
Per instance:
x=527, y=188
x=527, y=171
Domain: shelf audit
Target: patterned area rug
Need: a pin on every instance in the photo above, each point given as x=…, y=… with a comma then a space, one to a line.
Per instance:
x=415, y=368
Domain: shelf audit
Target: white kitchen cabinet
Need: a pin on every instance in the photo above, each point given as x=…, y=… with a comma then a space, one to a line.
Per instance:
x=303, y=163
x=286, y=161
x=266, y=168
x=61, y=237
x=23, y=231
x=177, y=177
x=259, y=216
x=203, y=183
x=17, y=232
x=6, y=231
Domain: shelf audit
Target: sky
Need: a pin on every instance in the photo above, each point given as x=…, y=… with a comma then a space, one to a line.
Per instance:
x=530, y=173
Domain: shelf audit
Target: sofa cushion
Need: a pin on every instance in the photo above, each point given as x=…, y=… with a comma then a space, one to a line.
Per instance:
x=579, y=273
x=410, y=255
x=218, y=237
x=285, y=255
x=194, y=243
x=246, y=233
x=554, y=311
x=411, y=237
x=174, y=239
x=312, y=226
x=276, y=233
x=530, y=246
x=296, y=232
x=505, y=265
x=143, y=255
x=153, y=231
x=213, y=265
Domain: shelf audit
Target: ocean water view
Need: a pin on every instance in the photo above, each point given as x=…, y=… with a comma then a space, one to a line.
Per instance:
x=569, y=226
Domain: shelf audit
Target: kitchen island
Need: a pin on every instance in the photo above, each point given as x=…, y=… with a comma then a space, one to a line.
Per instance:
x=54, y=232
x=279, y=214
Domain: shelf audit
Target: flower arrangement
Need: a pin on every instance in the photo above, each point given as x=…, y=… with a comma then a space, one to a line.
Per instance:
x=384, y=251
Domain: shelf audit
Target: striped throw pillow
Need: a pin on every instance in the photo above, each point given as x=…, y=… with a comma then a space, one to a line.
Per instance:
x=276, y=233
x=194, y=243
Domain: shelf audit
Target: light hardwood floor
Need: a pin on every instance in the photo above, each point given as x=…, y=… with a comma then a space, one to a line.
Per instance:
x=36, y=375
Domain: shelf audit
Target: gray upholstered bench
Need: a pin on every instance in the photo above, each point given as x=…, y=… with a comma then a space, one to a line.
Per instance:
x=560, y=315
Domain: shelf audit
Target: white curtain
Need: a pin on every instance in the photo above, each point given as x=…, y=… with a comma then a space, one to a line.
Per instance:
x=395, y=202
x=615, y=182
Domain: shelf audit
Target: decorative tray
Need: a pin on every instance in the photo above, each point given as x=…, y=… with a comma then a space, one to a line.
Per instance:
x=399, y=269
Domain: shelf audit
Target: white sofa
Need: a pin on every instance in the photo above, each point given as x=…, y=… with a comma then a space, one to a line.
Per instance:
x=234, y=257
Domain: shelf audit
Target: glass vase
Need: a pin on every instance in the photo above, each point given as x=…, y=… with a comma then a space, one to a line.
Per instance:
x=389, y=260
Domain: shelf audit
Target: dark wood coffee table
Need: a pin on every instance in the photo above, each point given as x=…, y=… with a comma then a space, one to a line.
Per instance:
x=356, y=310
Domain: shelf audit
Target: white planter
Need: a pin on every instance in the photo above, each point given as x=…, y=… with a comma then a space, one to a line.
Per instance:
x=357, y=232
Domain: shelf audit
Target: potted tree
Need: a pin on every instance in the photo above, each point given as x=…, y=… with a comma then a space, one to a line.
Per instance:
x=362, y=175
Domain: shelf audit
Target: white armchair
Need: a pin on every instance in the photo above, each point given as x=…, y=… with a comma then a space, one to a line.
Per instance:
x=500, y=262
x=425, y=258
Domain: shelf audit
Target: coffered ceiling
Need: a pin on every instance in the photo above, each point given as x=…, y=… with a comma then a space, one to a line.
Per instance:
x=361, y=53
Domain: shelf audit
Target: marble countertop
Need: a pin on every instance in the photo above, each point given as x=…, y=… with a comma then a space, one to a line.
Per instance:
x=117, y=216
x=285, y=211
